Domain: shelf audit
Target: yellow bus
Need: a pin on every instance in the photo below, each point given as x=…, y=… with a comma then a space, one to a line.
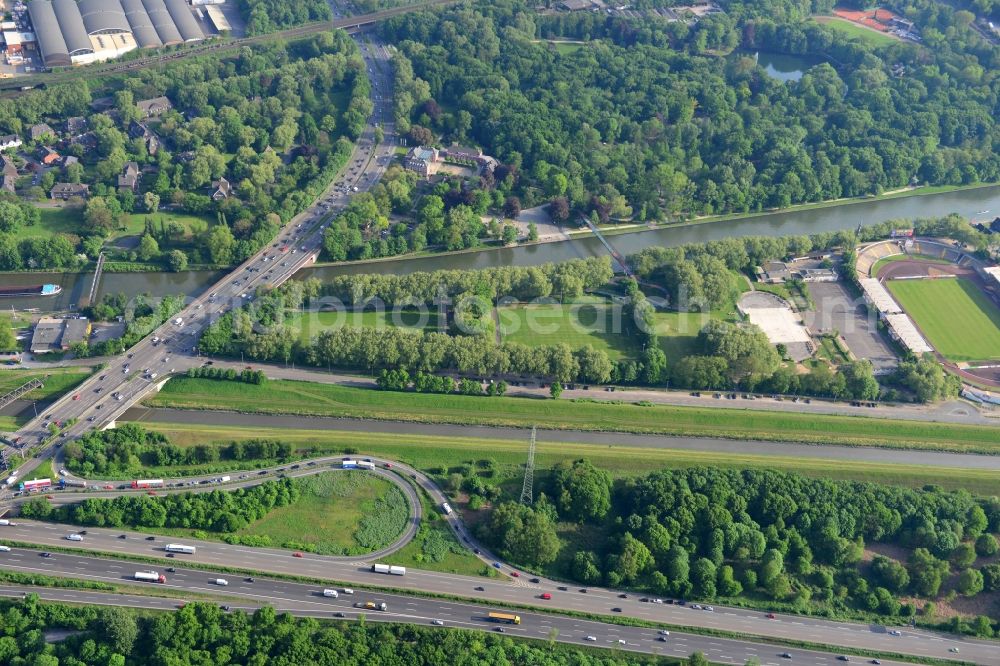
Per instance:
x=508, y=618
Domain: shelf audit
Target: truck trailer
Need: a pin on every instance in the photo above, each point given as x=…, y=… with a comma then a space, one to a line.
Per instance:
x=150, y=576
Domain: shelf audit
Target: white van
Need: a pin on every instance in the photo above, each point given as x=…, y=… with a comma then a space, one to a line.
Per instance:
x=221, y=581
x=4, y=549
x=330, y=593
x=74, y=537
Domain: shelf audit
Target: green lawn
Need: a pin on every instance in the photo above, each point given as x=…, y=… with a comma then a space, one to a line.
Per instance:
x=957, y=318
x=64, y=220
x=874, y=37
x=678, y=332
x=311, y=324
x=288, y=397
x=339, y=513
x=599, y=325
x=436, y=454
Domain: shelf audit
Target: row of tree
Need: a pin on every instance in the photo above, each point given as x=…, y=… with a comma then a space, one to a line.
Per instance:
x=126, y=451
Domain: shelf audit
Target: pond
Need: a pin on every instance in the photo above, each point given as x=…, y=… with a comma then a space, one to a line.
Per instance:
x=784, y=67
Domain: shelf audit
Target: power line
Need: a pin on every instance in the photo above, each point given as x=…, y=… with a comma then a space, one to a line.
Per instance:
x=527, y=494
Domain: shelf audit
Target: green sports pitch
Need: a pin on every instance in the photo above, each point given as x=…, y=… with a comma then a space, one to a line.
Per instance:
x=956, y=317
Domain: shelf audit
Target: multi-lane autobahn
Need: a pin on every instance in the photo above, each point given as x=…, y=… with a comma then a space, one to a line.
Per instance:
x=307, y=600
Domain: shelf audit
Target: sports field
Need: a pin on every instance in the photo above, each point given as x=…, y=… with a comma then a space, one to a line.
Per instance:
x=955, y=316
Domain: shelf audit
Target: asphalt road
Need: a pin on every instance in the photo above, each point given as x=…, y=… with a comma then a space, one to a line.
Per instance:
x=143, y=414
x=171, y=347
x=519, y=591
x=306, y=599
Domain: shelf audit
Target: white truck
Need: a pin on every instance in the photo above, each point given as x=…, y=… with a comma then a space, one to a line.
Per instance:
x=389, y=569
x=446, y=508
x=223, y=479
x=220, y=581
x=4, y=522
x=179, y=548
x=150, y=576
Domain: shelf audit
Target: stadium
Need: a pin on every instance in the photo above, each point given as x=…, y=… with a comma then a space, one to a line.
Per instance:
x=932, y=296
x=72, y=33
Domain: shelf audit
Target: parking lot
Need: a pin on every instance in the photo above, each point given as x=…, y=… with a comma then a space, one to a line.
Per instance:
x=837, y=310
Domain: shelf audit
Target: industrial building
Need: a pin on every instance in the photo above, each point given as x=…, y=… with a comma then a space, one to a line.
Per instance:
x=52, y=334
x=76, y=33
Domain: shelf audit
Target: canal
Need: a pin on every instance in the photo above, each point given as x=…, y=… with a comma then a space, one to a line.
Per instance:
x=971, y=204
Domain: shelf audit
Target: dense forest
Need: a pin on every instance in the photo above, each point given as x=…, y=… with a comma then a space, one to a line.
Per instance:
x=204, y=634
x=770, y=538
x=270, y=15
x=648, y=120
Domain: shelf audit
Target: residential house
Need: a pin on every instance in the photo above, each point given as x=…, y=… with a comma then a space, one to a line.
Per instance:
x=151, y=108
x=70, y=159
x=66, y=191
x=88, y=140
x=49, y=157
x=9, y=141
x=53, y=334
x=41, y=129
x=76, y=125
x=128, y=179
x=8, y=174
x=221, y=189
x=140, y=131
x=465, y=153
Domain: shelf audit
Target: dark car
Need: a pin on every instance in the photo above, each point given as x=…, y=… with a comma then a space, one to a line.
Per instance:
x=785, y=655
x=171, y=570
x=616, y=610
x=170, y=554
x=248, y=579
x=46, y=554
x=535, y=580
x=500, y=630
x=151, y=538
x=623, y=596
x=225, y=608
x=583, y=590
x=843, y=657
x=562, y=588
x=82, y=532
x=339, y=614
x=480, y=589
x=122, y=536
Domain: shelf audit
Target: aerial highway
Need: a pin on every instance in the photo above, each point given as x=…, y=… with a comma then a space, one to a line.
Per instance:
x=172, y=346
x=308, y=599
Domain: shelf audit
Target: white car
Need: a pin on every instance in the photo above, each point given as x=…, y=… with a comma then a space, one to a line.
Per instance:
x=664, y=632
x=74, y=537
x=591, y=638
x=895, y=632
x=439, y=623
x=4, y=549
x=221, y=581
x=621, y=641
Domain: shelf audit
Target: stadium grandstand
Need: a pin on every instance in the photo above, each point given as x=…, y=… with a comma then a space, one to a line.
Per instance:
x=77, y=33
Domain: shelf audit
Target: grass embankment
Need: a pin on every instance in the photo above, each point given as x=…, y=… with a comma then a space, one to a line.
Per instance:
x=434, y=453
x=288, y=397
x=56, y=382
x=957, y=318
x=881, y=263
x=435, y=547
x=68, y=220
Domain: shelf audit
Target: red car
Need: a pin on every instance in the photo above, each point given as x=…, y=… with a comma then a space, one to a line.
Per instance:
x=515, y=574
x=770, y=616
x=76, y=397
x=151, y=492
x=545, y=595
x=297, y=554
x=50, y=497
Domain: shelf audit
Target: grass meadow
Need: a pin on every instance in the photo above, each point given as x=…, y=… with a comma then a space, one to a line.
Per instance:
x=956, y=317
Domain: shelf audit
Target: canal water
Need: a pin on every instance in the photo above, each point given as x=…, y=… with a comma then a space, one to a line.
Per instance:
x=972, y=204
